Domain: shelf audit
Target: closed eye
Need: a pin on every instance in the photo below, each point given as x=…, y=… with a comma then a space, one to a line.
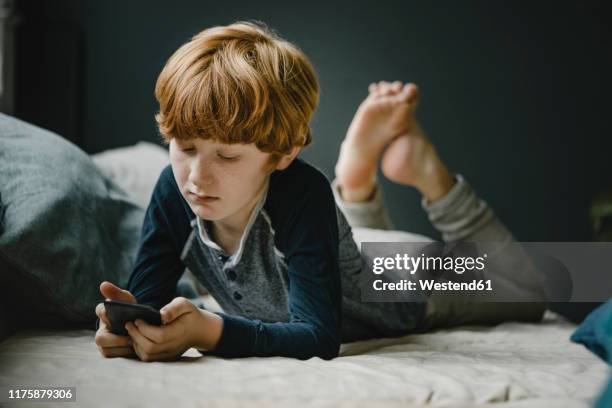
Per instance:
x=228, y=158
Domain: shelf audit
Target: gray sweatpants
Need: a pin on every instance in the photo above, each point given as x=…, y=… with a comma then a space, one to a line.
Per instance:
x=459, y=216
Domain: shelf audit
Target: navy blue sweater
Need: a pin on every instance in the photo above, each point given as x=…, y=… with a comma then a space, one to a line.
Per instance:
x=301, y=208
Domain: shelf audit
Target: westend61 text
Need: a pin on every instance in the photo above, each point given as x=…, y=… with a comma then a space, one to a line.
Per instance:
x=430, y=284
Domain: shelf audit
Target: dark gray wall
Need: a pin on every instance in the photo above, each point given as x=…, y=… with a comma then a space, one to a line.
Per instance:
x=515, y=95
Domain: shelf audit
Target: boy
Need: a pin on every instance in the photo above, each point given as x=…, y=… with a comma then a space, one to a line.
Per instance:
x=259, y=228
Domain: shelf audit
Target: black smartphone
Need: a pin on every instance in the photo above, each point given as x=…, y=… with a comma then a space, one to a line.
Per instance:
x=119, y=313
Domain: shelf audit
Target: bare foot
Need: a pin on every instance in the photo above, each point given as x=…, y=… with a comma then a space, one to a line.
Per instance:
x=411, y=159
x=384, y=115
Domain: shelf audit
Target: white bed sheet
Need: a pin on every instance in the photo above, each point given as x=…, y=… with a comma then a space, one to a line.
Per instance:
x=509, y=365
x=514, y=365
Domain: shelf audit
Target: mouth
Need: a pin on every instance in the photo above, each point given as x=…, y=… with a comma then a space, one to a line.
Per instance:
x=202, y=199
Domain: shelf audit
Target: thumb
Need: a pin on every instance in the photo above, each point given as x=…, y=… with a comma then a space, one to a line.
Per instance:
x=173, y=310
x=114, y=292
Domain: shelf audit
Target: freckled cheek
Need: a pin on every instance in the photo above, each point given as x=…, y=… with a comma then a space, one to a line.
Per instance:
x=234, y=180
x=229, y=183
x=248, y=185
x=181, y=171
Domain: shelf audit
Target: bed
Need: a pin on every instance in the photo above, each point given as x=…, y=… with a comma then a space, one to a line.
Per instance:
x=508, y=365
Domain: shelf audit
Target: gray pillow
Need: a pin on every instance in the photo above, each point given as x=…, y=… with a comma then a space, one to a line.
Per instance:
x=64, y=228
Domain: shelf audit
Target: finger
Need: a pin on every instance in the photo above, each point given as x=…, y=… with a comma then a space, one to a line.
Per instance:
x=108, y=339
x=101, y=313
x=157, y=334
x=139, y=341
x=99, y=309
x=173, y=310
x=116, y=351
x=150, y=357
x=142, y=355
x=114, y=292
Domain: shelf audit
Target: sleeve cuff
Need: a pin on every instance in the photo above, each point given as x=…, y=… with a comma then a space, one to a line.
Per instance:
x=236, y=338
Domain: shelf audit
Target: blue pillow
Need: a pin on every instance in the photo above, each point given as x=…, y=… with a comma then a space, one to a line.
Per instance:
x=605, y=398
x=64, y=228
x=595, y=332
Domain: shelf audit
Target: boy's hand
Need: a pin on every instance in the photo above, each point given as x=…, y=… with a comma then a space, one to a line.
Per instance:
x=184, y=326
x=110, y=344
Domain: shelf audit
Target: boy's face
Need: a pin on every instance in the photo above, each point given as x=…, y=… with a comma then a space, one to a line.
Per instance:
x=220, y=182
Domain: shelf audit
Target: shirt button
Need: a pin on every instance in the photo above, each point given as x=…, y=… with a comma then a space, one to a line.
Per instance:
x=231, y=275
x=237, y=296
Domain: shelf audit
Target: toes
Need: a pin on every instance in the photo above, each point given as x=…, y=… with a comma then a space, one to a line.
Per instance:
x=389, y=88
x=409, y=94
x=384, y=88
x=373, y=89
x=412, y=92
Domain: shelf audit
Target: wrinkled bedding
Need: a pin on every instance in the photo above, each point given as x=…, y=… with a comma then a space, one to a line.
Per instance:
x=509, y=365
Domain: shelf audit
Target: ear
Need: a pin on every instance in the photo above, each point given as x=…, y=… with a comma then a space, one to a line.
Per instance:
x=286, y=160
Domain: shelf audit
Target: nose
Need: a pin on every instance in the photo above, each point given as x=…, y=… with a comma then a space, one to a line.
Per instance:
x=201, y=175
